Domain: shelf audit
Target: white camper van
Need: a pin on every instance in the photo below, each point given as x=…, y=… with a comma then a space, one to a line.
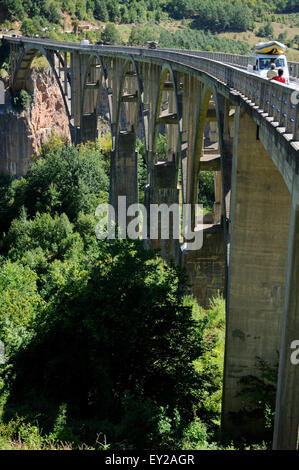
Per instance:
x=264, y=55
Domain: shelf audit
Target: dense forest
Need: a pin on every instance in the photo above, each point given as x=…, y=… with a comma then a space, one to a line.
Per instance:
x=201, y=20
x=215, y=15
x=102, y=341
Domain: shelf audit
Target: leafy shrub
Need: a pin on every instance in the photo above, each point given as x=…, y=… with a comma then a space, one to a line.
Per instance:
x=117, y=327
x=206, y=193
x=66, y=181
x=19, y=304
x=266, y=31
x=48, y=237
x=22, y=100
x=259, y=394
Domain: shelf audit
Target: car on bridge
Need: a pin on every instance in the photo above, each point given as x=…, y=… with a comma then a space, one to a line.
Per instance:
x=152, y=44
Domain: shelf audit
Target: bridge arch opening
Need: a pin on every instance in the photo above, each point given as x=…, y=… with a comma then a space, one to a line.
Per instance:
x=95, y=106
x=165, y=169
x=207, y=175
x=128, y=112
x=166, y=138
x=59, y=66
x=130, y=127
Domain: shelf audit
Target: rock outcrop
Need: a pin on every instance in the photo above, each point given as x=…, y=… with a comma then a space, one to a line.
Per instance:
x=22, y=134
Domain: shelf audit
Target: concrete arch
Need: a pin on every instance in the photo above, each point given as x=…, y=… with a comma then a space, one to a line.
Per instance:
x=206, y=94
x=22, y=69
x=171, y=118
x=130, y=69
x=89, y=122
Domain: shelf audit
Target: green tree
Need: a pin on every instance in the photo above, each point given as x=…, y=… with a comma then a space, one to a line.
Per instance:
x=67, y=181
x=75, y=24
x=19, y=305
x=41, y=239
x=124, y=341
x=113, y=10
x=81, y=9
x=15, y=9
x=111, y=35
x=25, y=99
x=266, y=31
x=28, y=27
x=101, y=11
x=206, y=193
x=53, y=14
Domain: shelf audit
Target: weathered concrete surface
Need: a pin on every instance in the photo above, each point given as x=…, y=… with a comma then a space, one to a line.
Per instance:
x=206, y=267
x=260, y=220
x=88, y=130
x=286, y=434
x=123, y=171
x=164, y=190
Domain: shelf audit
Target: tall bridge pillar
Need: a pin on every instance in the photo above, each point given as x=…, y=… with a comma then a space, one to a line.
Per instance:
x=76, y=87
x=123, y=170
x=286, y=433
x=163, y=190
x=256, y=281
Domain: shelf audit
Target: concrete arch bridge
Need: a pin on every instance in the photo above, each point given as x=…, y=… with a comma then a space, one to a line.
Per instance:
x=216, y=117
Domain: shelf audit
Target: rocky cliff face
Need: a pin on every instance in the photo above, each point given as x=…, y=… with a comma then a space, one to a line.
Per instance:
x=22, y=134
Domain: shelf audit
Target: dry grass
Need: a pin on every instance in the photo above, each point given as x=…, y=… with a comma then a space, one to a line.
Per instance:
x=252, y=39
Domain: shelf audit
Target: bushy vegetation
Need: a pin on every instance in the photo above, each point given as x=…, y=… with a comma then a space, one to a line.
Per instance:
x=206, y=191
x=22, y=100
x=100, y=338
x=211, y=14
x=201, y=20
x=186, y=39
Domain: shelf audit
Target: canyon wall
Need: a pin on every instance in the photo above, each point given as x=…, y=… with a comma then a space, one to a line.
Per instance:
x=23, y=133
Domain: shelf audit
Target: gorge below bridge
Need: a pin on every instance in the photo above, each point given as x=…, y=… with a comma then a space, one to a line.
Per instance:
x=219, y=117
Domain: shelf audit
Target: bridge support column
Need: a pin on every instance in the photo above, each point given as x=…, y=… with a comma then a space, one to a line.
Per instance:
x=76, y=87
x=256, y=282
x=163, y=190
x=123, y=171
x=88, y=131
x=286, y=432
x=205, y=267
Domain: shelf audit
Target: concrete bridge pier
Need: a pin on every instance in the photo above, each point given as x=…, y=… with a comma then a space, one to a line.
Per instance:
x=123, y=171
x=206, y=266
x=89, y=127
x=257, y=268
x=163, y=190
x=286, y=432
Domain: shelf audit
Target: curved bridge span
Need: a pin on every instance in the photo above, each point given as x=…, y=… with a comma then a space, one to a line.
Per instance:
x=217, y=117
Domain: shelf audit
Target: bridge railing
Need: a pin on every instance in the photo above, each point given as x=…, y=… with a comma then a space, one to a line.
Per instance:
x=276, y=100
x=294, y=69
x=234, y=59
